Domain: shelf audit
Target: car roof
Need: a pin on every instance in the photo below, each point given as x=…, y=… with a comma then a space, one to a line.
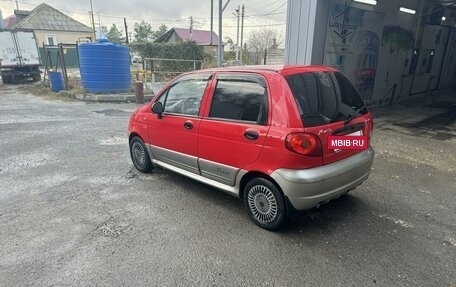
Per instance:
x=282, y=69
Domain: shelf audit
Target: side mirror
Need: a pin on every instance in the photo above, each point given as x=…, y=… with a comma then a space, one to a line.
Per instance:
x=157, y=108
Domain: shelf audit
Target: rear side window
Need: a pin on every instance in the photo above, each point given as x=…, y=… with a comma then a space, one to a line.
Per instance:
x=324, y=97
x=239, y=98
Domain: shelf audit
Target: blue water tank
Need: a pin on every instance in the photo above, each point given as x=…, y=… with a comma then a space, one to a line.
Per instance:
x=105, y=67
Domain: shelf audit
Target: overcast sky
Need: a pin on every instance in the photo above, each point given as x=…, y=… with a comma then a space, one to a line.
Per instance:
x=173, y=13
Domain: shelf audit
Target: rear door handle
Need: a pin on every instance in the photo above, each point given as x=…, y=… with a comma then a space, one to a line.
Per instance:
x=251, y=135
x=188, y=125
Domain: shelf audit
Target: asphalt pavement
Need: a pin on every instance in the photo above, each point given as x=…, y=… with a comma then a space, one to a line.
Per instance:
x=74, y=211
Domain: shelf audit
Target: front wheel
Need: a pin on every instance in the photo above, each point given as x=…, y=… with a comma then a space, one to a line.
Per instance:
x=7, y=79
x=264, y=203
x=140, y=156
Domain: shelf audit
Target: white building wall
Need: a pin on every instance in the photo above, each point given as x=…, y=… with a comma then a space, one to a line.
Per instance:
x=305, y=40
x=61, y=36
x=1, y=19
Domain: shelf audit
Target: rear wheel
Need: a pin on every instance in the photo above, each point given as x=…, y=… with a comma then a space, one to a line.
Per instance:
x=264, y=203
x=140, y=156
x=36, y=77
x=7, y=79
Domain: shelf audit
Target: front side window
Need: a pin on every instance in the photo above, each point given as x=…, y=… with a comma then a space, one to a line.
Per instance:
x=240, y=98
x=184, y=97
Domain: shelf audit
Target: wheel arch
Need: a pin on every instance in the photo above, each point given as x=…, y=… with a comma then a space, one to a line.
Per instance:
x=132, y=135
x=143, y=160
x=253, y=174
x=289, y=208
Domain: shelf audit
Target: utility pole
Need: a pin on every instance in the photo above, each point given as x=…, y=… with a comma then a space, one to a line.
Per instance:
x=93, y=21
x=191, y=26
x=242, y=32
x=212, y=20
x=220, y=42
x=238, y=10
x=100, y=31
x=220, y=46
x=126, y=31
x=99, y=19
x=17, y=5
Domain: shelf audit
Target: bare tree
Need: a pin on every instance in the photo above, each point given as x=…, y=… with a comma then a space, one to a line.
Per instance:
x=264, y=39
x=232, y=49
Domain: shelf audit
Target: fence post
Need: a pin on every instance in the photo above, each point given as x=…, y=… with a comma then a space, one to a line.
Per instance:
x=139, y=92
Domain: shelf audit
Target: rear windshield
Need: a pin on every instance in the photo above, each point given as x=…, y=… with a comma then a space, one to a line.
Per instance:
x=325, y=97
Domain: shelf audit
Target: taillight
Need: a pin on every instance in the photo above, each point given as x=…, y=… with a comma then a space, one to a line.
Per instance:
x=304, y=143
x=370, y=128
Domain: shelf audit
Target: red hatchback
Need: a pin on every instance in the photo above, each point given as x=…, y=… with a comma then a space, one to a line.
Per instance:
x=281, y=138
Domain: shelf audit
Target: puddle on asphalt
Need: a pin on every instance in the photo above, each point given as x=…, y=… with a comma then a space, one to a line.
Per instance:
x=112, y=112
x=435, y=122
x=438, y=126
x=157, y=173
x=114, y=141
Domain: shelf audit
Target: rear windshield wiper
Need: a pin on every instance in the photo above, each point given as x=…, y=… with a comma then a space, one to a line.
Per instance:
x=350, y=117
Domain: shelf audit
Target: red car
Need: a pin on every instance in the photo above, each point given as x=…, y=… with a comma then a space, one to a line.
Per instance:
x=261, y=133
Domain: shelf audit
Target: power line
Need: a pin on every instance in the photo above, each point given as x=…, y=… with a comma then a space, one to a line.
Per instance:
x=264, y=6
x=83, y=12
x=256, y=17
x=257, y=26
x=271, y=12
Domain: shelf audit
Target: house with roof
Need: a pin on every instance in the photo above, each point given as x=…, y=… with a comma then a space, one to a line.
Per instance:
x=16, y=17
x=207, y=39
x=51, y=26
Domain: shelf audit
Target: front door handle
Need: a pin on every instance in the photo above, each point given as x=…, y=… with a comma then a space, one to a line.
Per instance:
x=188, y=125
x=251, y=135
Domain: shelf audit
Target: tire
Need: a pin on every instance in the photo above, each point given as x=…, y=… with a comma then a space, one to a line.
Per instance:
x=7, y=79
x=140, y=156
x=36, y=77
x=264, y=203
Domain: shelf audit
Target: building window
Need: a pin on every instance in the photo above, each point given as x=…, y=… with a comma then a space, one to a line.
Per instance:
x=51, y=40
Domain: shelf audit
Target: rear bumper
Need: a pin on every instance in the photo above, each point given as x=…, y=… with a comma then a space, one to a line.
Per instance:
x=310, y=187
x=20, y=71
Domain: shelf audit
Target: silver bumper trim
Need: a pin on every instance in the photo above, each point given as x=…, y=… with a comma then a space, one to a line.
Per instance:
x=309, y=187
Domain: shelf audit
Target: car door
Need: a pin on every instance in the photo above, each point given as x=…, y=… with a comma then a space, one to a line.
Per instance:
x=232, y=133
x=173, y=134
